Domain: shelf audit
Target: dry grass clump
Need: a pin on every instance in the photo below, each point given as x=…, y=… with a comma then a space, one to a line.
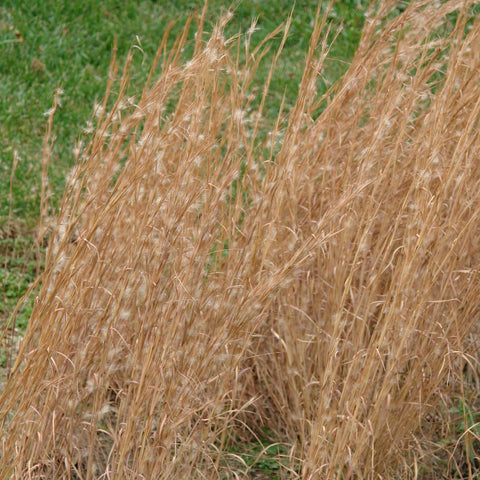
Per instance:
x=206, y=279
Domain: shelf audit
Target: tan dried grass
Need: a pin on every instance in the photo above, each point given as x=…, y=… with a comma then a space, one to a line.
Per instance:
x=198, y=288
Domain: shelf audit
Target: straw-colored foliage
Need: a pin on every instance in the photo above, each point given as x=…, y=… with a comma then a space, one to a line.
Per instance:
x=212, y=274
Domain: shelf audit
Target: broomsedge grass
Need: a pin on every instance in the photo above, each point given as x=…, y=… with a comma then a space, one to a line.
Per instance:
x=207, y=279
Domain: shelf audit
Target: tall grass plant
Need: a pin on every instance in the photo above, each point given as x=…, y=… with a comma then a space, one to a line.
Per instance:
x=212, y=278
